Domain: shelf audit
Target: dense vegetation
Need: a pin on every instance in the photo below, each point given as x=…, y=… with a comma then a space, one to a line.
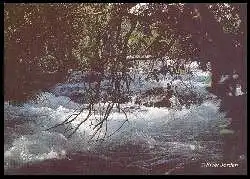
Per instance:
x=41, y=46
x=43, y=42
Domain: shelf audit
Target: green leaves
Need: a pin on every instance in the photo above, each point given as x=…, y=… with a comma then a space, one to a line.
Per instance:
x=88, y=33
x=226, y=132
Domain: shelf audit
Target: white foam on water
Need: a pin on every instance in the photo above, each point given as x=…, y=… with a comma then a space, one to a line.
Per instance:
x=36, y=147
x=146, y=126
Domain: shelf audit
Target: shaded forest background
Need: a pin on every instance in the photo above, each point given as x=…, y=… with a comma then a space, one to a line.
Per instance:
x=44, y=42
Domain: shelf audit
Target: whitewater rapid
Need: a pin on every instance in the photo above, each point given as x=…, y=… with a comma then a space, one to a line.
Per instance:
x=183, y=133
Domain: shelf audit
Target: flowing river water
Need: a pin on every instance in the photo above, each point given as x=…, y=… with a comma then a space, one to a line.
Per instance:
x=152, y=141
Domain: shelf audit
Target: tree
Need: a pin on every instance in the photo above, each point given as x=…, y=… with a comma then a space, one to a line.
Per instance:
x=98, y=38
x=38, y=47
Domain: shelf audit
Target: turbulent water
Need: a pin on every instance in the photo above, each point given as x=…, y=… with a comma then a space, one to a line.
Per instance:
x=153, y=139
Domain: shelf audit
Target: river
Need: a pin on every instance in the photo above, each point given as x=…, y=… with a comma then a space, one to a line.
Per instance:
x=152, y=141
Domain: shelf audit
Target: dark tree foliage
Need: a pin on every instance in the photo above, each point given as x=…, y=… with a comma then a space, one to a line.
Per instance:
x=44, y=41
x=37, y=47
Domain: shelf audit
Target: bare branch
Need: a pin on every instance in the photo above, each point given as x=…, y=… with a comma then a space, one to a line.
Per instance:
x=89, y=114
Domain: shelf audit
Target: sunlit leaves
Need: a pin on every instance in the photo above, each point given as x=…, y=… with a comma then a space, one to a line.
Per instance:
x=92, y=33
x=226, y=14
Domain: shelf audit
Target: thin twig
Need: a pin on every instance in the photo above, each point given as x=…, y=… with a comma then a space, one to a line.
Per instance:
x=65, y=121
x=89, y=114
x=118, y=128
